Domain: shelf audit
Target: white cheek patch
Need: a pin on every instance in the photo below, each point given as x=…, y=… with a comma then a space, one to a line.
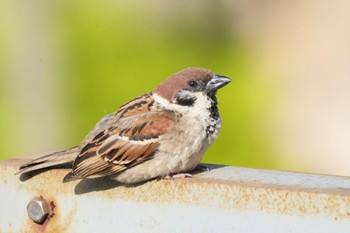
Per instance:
x=160, y=100
x=202, y=103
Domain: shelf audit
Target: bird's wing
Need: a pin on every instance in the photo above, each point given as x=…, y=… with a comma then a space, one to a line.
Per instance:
x=131, y=139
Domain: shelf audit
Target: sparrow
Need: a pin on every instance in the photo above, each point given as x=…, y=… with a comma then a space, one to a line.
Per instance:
x=163, y=133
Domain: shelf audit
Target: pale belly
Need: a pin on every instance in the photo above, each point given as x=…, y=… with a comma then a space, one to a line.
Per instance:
x=175, y=155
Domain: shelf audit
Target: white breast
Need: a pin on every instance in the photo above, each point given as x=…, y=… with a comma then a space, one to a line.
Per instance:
x=182, y=148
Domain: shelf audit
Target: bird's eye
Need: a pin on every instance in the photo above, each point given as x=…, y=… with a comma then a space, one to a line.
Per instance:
x=192, y=83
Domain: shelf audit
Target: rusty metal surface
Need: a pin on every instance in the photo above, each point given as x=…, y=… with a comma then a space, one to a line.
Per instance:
x=225, y=199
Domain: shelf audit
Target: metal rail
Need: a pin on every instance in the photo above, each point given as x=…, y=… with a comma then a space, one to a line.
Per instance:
x=225, y=199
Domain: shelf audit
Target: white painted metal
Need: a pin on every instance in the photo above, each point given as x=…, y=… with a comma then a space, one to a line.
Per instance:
x=226, y=199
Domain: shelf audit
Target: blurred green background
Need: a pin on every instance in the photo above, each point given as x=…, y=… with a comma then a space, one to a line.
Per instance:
x=65, y=64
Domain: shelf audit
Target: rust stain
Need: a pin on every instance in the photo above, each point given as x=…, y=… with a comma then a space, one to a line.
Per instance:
x=197, y=191
x=35, y=227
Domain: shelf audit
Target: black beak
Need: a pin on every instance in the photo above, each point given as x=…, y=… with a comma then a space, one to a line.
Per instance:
x=217, y=82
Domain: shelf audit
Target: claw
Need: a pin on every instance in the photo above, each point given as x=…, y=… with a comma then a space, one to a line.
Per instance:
x=177, y=176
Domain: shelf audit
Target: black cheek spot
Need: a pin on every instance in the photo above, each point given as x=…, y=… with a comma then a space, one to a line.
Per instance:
x=187, y=101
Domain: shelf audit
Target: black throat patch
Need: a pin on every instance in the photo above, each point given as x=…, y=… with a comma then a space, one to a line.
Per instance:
x=213, y=109
x=214, y=113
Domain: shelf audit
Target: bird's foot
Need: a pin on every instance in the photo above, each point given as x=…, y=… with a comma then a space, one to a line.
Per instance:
x=176, y=176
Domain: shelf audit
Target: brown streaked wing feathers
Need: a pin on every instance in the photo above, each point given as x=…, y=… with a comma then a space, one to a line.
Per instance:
x=131, y=140
x=137, y=139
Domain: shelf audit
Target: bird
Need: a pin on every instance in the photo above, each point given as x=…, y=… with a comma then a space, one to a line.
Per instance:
x=163, y=133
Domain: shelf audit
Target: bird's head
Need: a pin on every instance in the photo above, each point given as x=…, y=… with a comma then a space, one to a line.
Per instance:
x=184, y=86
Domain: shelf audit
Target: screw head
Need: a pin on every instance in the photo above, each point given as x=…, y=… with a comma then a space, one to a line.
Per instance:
x=38, y=210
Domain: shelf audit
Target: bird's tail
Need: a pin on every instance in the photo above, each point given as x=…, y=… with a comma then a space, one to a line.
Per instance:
x=64, y=158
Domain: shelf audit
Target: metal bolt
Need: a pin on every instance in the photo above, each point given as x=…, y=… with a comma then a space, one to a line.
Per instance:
x=38, y=210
